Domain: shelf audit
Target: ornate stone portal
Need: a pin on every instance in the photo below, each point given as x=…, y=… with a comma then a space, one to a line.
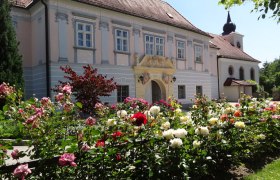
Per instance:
x=154, y=69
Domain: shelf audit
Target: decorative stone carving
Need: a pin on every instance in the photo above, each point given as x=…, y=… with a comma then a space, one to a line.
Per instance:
x=146, y=77
x=165, y=78
x=136, y=31
x=61, y=16
x=103, y=24
x=156, y=62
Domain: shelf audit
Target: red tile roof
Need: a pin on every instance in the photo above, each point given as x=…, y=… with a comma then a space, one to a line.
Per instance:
x=226, y=50
x=236, y=82
x=155, y=10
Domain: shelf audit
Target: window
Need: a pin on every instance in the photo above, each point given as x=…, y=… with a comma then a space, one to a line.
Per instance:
x=154, y=45
x=241, y=73
x=180, y=50
x=181, y=92
x=252, y=74
x=198, y=53
x=84, y=35
x=122, y=93
x=121, y=38
x=230, y=70
x=199, y=90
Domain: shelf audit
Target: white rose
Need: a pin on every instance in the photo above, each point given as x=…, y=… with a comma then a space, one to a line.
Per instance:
x=111, y=122
x=202, y=131
x=155, y=110
x=121, y=113
x=180, y=133
x=186, y=120
x=168, y=134
x=213, y=121
x=196, y=143
x=165, y=125
x=178, y=110
x=176, y=143
x=261, y=136
x=229, y=110
x=147, y=113
x=239, y=124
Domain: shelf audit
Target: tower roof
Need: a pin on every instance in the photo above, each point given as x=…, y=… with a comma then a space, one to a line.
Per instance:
x=229, y=26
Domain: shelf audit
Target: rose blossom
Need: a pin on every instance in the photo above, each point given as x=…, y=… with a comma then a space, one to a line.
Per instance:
x=155, y=110
x=176, y=143
x=90, y=121
x=139, y=118
x=237, y=114
x=15, y=154
x=186, y=120
x=196, y=143
x=45, y=101
x=261, y=136
x=67, y=159
x=21, y=171
x=121, y=113
x=202, y=130
x=111, y=122
x=118, y=157
x=67, y=89
x=168, y=134
x=85, y=147
x=59, y=97
x=239, y=124
x=67, y=107
x=180, y=133
x=100, y=143
x=178, y=110
x=117, y=134
x=165, y=125
x=213, y=121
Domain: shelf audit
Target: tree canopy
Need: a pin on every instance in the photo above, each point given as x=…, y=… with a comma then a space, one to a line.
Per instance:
x=270, y=75
x=10, y=60
x=261, y=6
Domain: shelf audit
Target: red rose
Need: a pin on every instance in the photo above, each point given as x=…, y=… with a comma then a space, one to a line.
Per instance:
x=237, y=114
x=117, y=134
x=100, y=143
x=118, y=157
x=224, y=117
x=139, y=119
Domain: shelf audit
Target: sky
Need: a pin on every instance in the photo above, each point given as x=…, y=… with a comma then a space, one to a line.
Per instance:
x=261, y=37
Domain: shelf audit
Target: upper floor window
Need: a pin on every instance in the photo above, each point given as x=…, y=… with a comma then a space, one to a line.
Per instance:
x=241, y=73
x=252, y=74
x=121, y=40
x=84, y=35
x=180, y=50
x=230, y=70
x=154, y=45
x=198, y=51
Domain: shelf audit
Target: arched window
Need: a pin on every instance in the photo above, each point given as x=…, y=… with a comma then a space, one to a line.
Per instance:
x=241, y=73
x=230, y=70
x=252, y=74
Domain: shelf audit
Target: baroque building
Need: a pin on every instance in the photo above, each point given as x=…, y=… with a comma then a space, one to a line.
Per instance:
x=150, y=49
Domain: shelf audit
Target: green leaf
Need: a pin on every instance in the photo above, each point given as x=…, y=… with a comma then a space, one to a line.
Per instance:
x=79, y=105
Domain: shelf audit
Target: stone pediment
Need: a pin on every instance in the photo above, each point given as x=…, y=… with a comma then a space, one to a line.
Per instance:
x=156, y=62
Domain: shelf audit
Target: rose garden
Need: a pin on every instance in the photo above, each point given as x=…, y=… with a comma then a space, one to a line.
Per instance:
x=73, y=138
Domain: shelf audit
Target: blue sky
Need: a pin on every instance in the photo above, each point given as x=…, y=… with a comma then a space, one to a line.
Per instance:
x=261, y=37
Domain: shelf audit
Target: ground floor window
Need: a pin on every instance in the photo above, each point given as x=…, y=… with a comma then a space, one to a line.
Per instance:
x=181, y=92
x=122, y=93
x=199, y=90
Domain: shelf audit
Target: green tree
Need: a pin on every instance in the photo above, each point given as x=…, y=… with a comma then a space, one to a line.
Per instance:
x=270, y=75
x=262, y=6
x=10, y=60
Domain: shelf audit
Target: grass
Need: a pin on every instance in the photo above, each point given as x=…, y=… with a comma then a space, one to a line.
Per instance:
x=269, y=172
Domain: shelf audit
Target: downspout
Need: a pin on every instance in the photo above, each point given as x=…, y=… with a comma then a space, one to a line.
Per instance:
x=218, y=74
x=47, y=48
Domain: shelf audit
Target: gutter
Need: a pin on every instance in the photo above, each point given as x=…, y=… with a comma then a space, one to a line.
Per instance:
x=48, y=82
x=218, y=74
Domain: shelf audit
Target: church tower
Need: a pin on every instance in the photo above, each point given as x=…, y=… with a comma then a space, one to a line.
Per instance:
x=229, y=34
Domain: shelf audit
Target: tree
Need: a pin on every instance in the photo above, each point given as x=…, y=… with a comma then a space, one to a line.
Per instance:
x=262, y=6
x=269, y=75
x=10, y=60
x=87, y=88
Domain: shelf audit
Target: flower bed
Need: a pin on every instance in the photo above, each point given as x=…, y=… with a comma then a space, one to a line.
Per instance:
x=140, y=141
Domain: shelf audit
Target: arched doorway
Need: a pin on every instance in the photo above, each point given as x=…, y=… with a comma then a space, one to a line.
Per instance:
x=156, y=92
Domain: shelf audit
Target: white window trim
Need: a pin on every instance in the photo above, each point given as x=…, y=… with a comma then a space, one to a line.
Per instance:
x=122, y=39
x=154, y=50
x=84, y=32
x=181, y=48
x=200, y=46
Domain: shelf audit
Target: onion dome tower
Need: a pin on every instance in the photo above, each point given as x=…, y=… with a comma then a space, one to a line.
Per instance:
x=229, y=26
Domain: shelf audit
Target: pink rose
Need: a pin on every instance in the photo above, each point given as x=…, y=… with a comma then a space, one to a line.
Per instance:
x=31, y=119
x=90, y=121
x=67, y=89
x=21, y=171
x=59, y=97
x=67, y=159
x=45, y=101
x=68, y=106
x=85, y=148
x=15, y=154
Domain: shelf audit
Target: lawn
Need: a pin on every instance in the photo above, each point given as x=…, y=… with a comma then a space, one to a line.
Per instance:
x=270, y=171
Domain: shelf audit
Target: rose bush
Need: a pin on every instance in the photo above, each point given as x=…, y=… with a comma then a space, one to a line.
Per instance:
x=138, y=140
